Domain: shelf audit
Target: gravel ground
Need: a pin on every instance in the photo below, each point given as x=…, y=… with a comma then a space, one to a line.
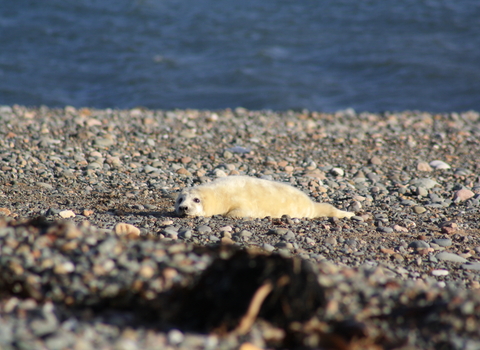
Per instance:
x=93, y=257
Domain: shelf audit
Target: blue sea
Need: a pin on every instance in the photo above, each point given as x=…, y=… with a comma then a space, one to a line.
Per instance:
x=324, y=55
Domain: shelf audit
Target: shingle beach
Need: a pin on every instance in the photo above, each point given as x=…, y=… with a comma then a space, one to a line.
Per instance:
x=93, y=256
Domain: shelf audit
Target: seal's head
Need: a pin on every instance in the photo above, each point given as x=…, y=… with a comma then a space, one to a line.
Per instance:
x=189, y=203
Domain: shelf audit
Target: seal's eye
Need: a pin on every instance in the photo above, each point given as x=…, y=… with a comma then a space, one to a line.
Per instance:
x=196, y=200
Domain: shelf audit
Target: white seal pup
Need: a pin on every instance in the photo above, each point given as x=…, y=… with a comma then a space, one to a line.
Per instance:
x=244, y=196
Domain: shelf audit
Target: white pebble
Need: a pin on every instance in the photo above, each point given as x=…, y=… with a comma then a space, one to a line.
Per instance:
x=439, y=272
x=438, y=164
x=67, y=214
x=175, y=337
x=337, y=171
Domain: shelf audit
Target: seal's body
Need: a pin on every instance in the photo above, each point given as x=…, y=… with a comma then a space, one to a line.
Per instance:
x=244, y=196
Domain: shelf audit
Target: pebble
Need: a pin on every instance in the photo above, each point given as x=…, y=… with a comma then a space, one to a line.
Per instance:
x=239, y=149
x=426, y=183
x=67, y=214
x=355, y=206
x=227, y=240
x=384, y=229
x=244, y=234
x=471, y=266
x=442, y=242
x=184, y=233
x=419, y=209
x=337, y=172
x=418, y=244
x=175, y=337
x=284, y=245
x=438, y=164
x=87, y=212
x=399, y=228
x=64, y=268
x=387, y=251
x=331, y=240
x=124, y=229
x=279, y=231
x=172, y=230
x=439, y=272
x=104, y=142
x=289, y=235
x=5, y=211
x=268, y=247
x=422, y=191
x=424, y=166
x=203, y=229
x=446, y=256
x=462, y=172
x=462, y=195
x=214, y=238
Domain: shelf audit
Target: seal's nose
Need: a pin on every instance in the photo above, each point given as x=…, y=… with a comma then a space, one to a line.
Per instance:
x=183, y=208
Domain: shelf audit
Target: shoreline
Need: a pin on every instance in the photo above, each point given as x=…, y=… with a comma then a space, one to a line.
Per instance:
x=411, y=177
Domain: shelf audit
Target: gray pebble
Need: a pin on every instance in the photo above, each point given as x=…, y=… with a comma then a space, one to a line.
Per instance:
x=332, y=240
x=462, y=172
x=435, y=198
x=51, y=211
x=374, y=178
x=284, y=245
x=421, y=191
x=245, y=234
x=289, y=235
x=424, y=182
x=471, y=266
x=442, y=242
x=202, y=229
x=238, y=149
x=352, y=242
x=104, y=142
x=150, y=169
x=185, y=234
x=268, y=247
x=95, y=165
x=278, y=231
x=446, y=256
x=170, y=230
x=418, y=244
x=355, y=206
